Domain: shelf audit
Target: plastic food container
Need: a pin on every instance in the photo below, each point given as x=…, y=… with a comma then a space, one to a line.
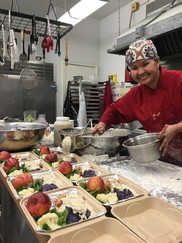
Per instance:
x=152, y=219
x=24, y=156
x=136, y=190
x=79, y=169
x=97, y=209
x=37, y=165
x=51, y=176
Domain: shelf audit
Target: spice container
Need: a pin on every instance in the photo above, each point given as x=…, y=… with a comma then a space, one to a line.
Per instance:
x=60, y=123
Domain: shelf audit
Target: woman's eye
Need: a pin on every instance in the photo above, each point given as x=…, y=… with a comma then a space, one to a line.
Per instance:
x=145, y=64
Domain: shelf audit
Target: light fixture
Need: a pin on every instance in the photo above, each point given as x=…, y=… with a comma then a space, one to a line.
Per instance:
x=81, y=10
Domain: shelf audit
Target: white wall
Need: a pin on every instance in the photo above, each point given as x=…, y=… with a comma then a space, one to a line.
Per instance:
x=109, y=31
x=88, y=43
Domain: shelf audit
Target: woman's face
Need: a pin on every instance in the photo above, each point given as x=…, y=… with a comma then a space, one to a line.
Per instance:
x=146, y=72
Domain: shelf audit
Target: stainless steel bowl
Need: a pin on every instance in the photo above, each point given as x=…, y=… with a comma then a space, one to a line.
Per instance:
x=144, y=148
x=109, y=143
x=17, y=136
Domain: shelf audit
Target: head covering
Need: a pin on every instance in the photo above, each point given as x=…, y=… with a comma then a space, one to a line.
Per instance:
x=141, y=49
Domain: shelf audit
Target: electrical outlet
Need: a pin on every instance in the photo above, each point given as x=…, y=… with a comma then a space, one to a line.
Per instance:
x=134, y=6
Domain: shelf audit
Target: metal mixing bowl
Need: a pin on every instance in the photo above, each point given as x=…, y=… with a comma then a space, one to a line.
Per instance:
x=109, y=143
x=17, y=136
x=144, y=148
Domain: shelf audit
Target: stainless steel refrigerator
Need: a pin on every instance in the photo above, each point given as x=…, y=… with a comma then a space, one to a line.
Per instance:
x=15, y=99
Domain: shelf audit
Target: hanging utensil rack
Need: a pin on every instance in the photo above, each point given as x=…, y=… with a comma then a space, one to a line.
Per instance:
x=24, y=21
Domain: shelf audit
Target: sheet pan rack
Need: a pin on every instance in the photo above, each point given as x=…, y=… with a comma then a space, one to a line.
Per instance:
x=24, y=21
x=94, y=95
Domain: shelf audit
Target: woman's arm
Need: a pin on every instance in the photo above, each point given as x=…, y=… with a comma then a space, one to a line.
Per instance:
x=170, y=132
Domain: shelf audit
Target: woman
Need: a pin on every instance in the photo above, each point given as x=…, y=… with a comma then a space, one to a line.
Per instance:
x=157, y=101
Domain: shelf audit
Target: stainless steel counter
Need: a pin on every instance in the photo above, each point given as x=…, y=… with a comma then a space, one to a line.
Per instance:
x=159, y=178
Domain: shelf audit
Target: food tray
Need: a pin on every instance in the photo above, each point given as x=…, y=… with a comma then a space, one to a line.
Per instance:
x=51, y=176
x=71, y=157
x=98, y=230
x=88, y=166
x=152, y=219
x=24, y=156
x=36, y=165
x=135, y=189
x=98, y=209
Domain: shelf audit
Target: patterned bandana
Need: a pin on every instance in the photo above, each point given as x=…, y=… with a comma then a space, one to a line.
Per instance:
x=141, y=49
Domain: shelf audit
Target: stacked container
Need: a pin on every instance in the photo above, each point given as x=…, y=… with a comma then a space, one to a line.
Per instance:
x=60, y=123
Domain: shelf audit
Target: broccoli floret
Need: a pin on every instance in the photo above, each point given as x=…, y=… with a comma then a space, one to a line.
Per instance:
x=48, y=221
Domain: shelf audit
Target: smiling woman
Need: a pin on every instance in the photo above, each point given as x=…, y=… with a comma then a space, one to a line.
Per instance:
x=157, y=101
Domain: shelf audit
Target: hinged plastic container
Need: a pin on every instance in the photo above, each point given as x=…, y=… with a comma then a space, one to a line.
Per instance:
x=152, y=219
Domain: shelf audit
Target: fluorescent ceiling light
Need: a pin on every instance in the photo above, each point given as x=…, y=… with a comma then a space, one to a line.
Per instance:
x=81, y=10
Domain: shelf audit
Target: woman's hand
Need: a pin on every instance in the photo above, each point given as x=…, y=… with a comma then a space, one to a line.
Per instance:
x=99, y=128
x=169, y=131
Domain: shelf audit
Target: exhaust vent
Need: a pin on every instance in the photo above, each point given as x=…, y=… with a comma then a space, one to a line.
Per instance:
x=165, y=30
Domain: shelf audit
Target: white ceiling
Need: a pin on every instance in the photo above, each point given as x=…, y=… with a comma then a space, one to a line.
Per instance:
x=40, y=7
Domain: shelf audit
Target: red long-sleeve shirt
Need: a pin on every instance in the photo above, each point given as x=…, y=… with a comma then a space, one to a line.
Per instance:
x=152, y=108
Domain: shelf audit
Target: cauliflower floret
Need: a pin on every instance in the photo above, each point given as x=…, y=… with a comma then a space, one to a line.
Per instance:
x=75, y=177
x=31, y=166
x=51, y=219
x=110, y=197
x=26, y=192
x=112, y=183
x=16, y=172
x=55, y=164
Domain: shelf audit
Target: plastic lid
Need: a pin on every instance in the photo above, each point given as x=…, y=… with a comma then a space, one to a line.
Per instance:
x=62, y=118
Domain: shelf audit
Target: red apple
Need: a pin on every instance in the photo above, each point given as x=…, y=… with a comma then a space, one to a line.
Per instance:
x=50, y=158
x=10, y=163
x=65, y=167
x=44, y=150
x=38, y=204
x=4, y=155
x=96, y=183
x=22, y=180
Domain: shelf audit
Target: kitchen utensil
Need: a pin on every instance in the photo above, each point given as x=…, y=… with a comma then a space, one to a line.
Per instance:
x=23, y=55
x=17, y=136
x=144, y=148
x=57, y=48
x=109, y=143
x=34, y=36
x=49, y=37
x=66, y=54
x=28, y=79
